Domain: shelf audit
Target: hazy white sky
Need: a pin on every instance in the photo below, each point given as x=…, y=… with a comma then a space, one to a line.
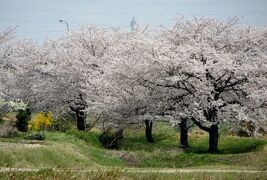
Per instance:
x=38, y=19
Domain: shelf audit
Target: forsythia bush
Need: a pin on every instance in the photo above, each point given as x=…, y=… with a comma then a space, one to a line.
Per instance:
x=41, y=121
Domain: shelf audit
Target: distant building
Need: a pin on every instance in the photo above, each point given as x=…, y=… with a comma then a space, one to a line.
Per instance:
x=133, y=24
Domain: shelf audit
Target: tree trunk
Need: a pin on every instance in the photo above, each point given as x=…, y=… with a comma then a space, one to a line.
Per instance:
x=80, y=116
x=213, y=138
x=149, y=125
x=183, y=133
x=119, y=133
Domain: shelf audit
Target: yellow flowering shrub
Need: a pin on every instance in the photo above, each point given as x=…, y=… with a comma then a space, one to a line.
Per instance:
x=42, y=121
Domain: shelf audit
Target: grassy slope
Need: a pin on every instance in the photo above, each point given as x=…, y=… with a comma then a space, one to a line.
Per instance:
x=58, y=150
x=233, y=151
x=82, y=150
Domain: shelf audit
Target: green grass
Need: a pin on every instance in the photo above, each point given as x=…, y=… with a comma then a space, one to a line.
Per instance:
x=58, y=150
x=165, y=152
x=164, y=136
x=75, y=149
x=89, y=137
x=227, y=145
x=122, y=174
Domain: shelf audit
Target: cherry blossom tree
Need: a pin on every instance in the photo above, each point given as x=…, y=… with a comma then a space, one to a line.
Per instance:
x=51, y=76
x=120, y=100
x=142, y=70
x=201, y=69
x=6, y=37
x=6, y=69
x=73, y=62
x=219, y=65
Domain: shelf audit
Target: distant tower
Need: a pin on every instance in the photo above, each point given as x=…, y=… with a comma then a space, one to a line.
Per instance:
x=133, y=24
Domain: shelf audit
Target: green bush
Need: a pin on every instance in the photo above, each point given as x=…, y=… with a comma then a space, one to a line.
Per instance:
x=23, y=118
x=109, y=140
x=36, y=136
x=62, y=124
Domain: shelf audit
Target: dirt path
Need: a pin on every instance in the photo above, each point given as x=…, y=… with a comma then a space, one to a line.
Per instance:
x=191, y=171
x=141, y=170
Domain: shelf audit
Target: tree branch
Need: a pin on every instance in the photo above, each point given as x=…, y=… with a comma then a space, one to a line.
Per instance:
x=200, y=125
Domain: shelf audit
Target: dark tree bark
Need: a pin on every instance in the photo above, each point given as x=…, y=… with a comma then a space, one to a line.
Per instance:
x=80, y=116
x=213, y=135
x=213, y=138
x=78, y=108
x=183, y=133
x=148, y=132
x=119, y=133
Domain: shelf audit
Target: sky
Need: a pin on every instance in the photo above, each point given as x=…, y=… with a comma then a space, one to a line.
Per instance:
x=39, y=19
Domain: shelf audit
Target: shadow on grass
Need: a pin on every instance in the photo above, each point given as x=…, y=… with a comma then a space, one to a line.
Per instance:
x=198, y=144
x=227, y=145
x=166, y=138
x=139, y=142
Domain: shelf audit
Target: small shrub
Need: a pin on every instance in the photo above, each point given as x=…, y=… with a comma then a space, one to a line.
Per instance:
x=243, y=133
x=23, y=118
x=36, y=136
x=246, y=129
x=62, y=124
x=42, y=121
x=109, y=140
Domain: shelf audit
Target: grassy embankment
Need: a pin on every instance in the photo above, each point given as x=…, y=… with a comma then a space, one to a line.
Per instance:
x=81, y=150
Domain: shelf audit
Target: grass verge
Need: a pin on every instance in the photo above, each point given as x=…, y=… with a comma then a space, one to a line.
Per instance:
x=122, y=174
